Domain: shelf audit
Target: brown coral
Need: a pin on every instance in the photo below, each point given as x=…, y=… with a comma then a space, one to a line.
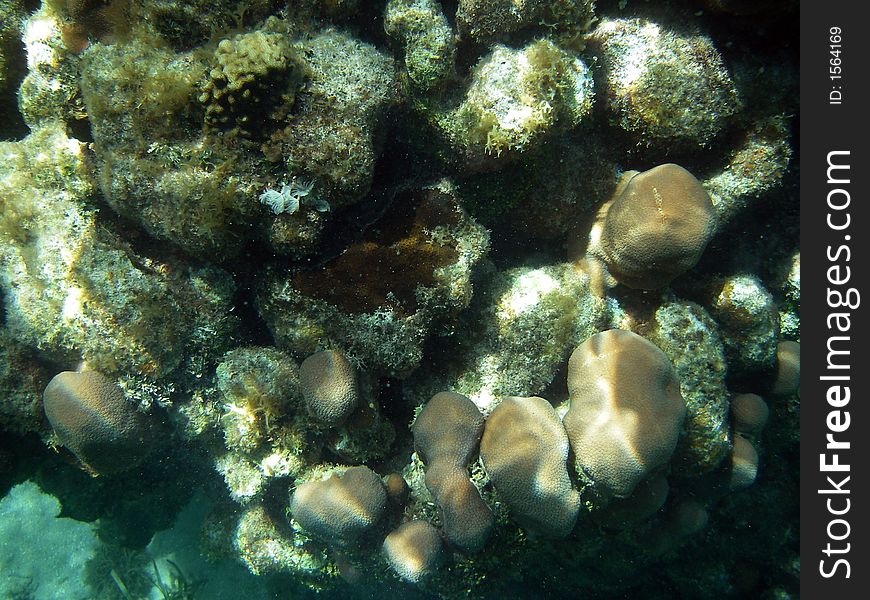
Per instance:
x=340, y=510
x=788, y=369
x=413, y=550
x=744, y=464
x=524, y=449
x=329, y=386
x=749, y=413
x=91, y=418
x=446, y=436
x=656, y=227
x=626, y=409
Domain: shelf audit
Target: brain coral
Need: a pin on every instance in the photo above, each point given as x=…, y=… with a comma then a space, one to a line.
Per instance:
x=744, y=464
x=329, y=386
x=626, y=410
x=656, y=227
x=524, y=449
x=788, y=369
x=413, y=550
x=341, y=509
x=447, y=430
x=749, y=412
x=92, y=419
x=446, y=436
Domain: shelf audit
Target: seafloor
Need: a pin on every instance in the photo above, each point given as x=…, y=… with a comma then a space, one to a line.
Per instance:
x=399, y=298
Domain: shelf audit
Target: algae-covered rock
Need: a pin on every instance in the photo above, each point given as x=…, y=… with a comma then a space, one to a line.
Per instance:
x=756, y=165
x=485, y=19
x=662, y=87
x=77, y=291
x=690, y=339
x=12, y=64
x=187, y=142
x=426, y=38
x=383, y=296
x=22, y=379
x=516, y=99
x=50, y=90
x=749, y=323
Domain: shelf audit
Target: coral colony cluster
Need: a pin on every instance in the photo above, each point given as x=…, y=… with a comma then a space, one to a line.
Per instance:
x=439, y=299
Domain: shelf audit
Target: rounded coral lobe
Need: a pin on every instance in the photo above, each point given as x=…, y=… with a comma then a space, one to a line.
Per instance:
x=93, y=420
x=626, y=410
x=341, y=509
x=413, y=550
x=448, y=429
x=657, y=227
x=329, y=386
x=525, y=449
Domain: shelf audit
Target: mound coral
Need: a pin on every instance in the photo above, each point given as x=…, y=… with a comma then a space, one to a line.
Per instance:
x=446, y=436
x=93, y=420
x=656, y=227
x=524, y=450
x=749, y=413
x=626, y=410
x=788, y=369
x=413, y=550
x=744, y=464
x=329, y=387
x=341, y=509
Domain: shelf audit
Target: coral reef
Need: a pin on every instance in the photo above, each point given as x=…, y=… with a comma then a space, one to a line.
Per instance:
x=403, y=298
